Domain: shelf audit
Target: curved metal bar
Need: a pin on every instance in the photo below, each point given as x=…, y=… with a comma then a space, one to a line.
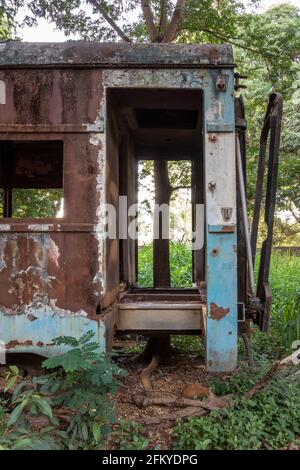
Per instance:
x=270, y=134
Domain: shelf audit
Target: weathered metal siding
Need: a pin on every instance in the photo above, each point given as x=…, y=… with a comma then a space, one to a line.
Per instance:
x=50, y=270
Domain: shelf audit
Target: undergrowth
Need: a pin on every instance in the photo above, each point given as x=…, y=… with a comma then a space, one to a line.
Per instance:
x=72, y=399
x=269, y=420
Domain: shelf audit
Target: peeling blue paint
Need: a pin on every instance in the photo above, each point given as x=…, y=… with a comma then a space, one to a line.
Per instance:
x=23, y=333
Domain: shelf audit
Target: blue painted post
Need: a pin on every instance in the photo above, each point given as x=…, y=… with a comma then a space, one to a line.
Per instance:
x=221, y=255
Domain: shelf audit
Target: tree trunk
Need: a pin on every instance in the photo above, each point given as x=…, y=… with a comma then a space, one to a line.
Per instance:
x=161, y=251
x=158, y=348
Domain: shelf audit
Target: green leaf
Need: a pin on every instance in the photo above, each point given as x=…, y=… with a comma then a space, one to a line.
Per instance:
x=10, y=382
x=22, y=444
x=14, y=370
x=15, y=415
x=96, y=429
x=44, y=407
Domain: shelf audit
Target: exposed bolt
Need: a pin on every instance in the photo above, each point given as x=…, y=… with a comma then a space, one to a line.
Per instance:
x=212, y=185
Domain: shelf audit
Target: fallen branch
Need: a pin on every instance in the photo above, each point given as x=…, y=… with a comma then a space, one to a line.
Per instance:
x=202, y=408
x=181, y=414
x=264, y=381
x=192, y=407
x=211, y=403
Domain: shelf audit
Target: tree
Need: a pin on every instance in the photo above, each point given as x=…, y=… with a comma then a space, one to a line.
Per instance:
x=5, y=27
x=275, y=33
x=133, y=20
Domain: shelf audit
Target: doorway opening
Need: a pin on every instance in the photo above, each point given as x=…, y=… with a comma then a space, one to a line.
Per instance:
x=155, y=156
x=177, y=219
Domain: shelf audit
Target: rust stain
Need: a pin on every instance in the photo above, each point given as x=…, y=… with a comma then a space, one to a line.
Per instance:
x=217, y=313
x=12, y=344
x=227, y=228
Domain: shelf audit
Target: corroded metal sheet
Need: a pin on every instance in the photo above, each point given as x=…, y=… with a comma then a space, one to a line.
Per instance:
x=51, y=280
x=74, y=53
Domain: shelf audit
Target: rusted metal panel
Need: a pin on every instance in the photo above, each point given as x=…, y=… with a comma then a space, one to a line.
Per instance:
x=92, y=54
x=50, y=97
x=50, y=269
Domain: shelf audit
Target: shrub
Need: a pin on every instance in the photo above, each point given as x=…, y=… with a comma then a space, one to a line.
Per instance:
x=78, y=388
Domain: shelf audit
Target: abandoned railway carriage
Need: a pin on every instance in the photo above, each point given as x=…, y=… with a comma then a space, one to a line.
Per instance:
x=76, y=117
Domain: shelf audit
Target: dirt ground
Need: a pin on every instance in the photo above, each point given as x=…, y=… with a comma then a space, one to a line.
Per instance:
x=168, y=380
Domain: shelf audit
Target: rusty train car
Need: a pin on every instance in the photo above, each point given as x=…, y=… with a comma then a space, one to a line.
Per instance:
x=77, y=117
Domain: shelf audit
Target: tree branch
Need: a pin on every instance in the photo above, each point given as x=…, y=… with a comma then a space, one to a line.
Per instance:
x=162, y=20
x=175, y=188
x=173, y=27
x=296, y=217
x=242, y=46
x=109, y=20
x=149, y=20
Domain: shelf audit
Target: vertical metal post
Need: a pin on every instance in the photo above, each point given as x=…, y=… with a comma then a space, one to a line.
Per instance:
x=245, y=215
x=220, y=202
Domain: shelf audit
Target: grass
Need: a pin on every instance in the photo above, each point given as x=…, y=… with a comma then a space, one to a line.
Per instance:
x=285, y=286
x=180, y=265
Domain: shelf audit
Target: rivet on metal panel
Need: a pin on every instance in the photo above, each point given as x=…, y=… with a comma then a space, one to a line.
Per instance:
x=212, y=185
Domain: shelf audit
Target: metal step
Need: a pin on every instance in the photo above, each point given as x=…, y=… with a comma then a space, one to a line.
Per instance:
x=151, y=316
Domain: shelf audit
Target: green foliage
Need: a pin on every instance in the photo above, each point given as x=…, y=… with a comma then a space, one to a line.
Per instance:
x=269, y=420
x=180, y=265
x=26, y=404
x=275, y=67
x=80, y=384
x=185, y=344
x=78, y=17
x=284, y=280
x=36, y=203
x=204, y=20
x=5, y=26
x=129, y=436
